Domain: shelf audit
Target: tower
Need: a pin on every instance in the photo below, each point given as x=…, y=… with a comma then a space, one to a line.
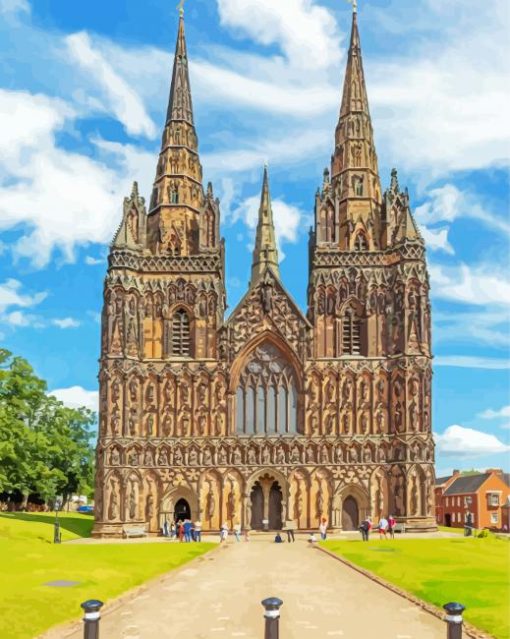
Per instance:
x=164, y=301
x=368, y=302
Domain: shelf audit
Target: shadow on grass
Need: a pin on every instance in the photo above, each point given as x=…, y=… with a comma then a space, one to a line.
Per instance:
x=81, y=525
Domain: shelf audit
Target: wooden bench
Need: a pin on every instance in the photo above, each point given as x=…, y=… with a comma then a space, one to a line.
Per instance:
x=401, y=528
x=134, y=531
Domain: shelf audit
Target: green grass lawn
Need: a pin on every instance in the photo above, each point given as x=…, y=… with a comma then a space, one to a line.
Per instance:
x=29, y=560
x=475, y=572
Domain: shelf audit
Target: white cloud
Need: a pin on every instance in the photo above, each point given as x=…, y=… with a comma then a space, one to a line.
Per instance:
x=436, y=239
x=442, y=106
x=478, y=285
x=66, y=322
x=11, y=295
x=90, y=192
x=122, y=100
x=76, y=397
x=283, y=97
x=448, y=203
x=20, y=319
x=467, y=442
x=467, y=361
x=93, y=261
x=489, y=326
x=14, y=6
x=496, y=414
x=307, y=33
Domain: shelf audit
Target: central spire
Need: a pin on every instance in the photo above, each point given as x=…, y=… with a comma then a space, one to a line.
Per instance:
x=265, y=253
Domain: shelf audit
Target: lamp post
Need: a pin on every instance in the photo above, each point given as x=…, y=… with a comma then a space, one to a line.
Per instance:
x=57, y=535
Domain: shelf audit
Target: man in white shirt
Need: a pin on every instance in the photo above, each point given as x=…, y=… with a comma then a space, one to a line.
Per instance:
x=383, y=527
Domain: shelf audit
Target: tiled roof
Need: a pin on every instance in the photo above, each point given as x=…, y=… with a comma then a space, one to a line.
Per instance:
x=466, y=484
x=442, y=480
x=506, y=478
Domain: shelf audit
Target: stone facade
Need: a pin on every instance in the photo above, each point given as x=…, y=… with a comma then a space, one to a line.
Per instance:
x=267, y=416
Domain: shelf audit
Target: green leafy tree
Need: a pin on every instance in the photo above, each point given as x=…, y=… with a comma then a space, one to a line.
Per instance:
x=45, y=447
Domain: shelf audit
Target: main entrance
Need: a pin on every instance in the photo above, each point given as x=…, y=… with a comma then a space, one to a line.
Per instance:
x=182, y=510
x=266, y=505
x=350, y=514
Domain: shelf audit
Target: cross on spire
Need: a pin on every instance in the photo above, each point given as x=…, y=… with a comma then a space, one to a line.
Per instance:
x=354, y=5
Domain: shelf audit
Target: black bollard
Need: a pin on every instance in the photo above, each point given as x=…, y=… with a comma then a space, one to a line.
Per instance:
x=91, y=618
x=454, y=619
x=272, y=615
x=57, y=535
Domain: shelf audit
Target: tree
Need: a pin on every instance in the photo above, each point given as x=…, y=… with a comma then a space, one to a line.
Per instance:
x=45, y=447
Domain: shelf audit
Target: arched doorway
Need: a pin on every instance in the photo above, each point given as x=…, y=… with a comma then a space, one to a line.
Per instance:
x=257, y=507
x=182, y=510
x=275, y=507
x=266, y=505
x=350, y=514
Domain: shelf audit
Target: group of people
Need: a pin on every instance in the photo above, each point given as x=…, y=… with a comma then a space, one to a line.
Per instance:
x=384, y=527
x=188, y=531
x=183, y=530
x=236, y=529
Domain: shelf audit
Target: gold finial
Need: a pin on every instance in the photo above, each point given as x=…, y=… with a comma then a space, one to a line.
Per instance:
x=180, y=6
x=354, y=5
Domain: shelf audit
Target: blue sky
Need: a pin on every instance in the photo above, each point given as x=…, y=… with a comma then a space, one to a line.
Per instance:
x=83, y=91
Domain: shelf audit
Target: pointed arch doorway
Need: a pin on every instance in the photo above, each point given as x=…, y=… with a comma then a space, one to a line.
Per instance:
x=182, y=510
x=350, y=514
x=266, y=504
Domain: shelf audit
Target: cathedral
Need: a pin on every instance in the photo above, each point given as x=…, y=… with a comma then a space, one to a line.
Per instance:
x=268, y=417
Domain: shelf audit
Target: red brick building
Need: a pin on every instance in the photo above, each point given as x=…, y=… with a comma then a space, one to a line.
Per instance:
x=483, y=496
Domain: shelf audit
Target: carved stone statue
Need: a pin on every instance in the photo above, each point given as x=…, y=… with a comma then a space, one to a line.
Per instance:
x=149, y=507
x=148, y=458
x=207, y=460
x=132, y=502
x=210, y=503
x=113, y=509
x=231, y=504
x=319, y=501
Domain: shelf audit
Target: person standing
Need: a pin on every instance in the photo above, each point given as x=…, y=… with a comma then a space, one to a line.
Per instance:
x=382, y=527
x=237, y=531
x=290, y=535
x=180, y=530
x=187, y=530
x=198, y=530
x=323, y=528
x=391, y=526
x=224, y=532
x=364, y=528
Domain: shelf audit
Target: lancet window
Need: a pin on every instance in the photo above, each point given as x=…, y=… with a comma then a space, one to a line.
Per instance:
x=181, y=337
x=266, y=397
x=351, y=333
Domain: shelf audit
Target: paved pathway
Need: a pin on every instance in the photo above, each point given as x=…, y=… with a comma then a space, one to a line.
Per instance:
x=219, y=596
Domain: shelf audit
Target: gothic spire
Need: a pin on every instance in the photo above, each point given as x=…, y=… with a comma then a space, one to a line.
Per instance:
x=180, y=106
x=354, y=171
x=265, y=253
x=178, y=196
x=354, y=97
